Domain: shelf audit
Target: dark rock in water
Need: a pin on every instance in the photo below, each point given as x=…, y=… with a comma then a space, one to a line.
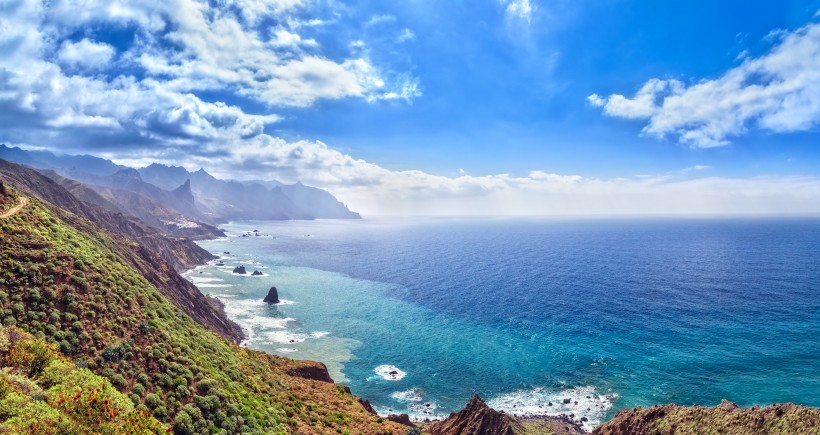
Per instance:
x=312, y=370
x=401, y=419
x=240, y=270
x=220, y=264
x=227, y=253
x=566, y=401
x=256, y=273
x=272, y=297
x=393, y=373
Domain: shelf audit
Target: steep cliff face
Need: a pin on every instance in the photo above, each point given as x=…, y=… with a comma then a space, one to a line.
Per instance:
x=725, y=418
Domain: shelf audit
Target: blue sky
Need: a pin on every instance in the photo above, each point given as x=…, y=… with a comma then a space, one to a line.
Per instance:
x=427, y=107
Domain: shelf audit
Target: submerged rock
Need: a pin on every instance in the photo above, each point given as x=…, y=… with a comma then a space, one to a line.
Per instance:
x=240, y=270
x=272, y=297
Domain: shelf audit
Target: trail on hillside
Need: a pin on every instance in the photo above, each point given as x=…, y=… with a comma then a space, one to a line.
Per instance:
x=12, y=211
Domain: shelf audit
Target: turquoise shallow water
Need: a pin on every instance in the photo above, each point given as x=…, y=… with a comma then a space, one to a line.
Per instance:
x=416, y=315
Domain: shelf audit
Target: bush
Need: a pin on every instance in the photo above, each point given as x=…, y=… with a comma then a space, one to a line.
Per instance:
x=31, y=355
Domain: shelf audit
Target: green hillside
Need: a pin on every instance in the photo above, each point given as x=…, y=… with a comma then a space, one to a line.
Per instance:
x=66, y=281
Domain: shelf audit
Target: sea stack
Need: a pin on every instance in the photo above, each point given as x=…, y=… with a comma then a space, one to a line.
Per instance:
x=257, y=273
x=240, y=270
x=272, y=297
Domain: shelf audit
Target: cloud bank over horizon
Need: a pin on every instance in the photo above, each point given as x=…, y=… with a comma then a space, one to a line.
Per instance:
x=200, y=84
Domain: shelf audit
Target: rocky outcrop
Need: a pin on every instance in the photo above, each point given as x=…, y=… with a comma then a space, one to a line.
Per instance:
x=367, y=406
x=272, y=297
x=402, y=419
x=257, y=273
x=725, y=418
x=477, y=419
x=312, y=370
x=240, y=270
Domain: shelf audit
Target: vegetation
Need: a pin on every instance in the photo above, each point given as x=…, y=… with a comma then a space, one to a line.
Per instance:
x=67, y=282
x=42, y=392
x=726, y=418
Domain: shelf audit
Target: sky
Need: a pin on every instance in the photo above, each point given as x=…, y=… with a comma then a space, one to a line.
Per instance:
x=453, y=107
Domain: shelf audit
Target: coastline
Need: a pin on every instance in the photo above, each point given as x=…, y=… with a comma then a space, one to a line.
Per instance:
x=525, y=418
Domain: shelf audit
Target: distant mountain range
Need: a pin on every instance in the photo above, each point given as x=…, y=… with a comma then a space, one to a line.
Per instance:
x=171, y=196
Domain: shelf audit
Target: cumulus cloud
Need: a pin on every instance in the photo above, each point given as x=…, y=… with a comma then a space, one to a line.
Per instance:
x=779, y=92
x=85, y=54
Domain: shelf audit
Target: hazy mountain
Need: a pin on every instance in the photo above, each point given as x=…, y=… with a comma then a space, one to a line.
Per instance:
x=179, y=252
x=320, y=203
x=197, y=196
x=250, y=200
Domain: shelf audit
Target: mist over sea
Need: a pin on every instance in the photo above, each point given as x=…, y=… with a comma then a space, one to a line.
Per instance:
x=538, y=316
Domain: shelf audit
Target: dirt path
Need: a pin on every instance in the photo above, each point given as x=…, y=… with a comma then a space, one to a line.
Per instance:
x=12, y=211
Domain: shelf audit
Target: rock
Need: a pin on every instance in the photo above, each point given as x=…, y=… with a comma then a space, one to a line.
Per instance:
x=220, y=264
x=312, y=370
x=367, y=406
x=567, y=401
x=477, y=419
x=272, y=297
x=240, y=270
x=227, y=253
x=256, y=273
x=401, y=419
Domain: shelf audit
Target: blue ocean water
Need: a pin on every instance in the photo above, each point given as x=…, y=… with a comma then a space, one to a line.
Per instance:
x=418, y=314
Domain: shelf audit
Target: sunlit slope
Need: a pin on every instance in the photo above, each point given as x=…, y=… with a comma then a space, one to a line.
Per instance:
x=66, y=281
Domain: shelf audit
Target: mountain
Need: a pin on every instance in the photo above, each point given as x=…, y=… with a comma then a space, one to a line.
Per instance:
x=233, y=200
x=210, y=201
x=321, y=204
x=63, y=163
x=92, y=295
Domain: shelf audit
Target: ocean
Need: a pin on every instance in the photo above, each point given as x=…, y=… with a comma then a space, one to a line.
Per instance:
x=537, y=316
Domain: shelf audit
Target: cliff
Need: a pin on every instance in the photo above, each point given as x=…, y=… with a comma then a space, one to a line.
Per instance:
x=725, y=418
x=87, y=292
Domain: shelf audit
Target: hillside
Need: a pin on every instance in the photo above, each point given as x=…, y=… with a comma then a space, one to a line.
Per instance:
x=43, y=392
x=726, y=418
x=71, y=283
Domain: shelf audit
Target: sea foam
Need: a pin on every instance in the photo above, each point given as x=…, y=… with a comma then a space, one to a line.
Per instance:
x=575, y=403
x=390, y=373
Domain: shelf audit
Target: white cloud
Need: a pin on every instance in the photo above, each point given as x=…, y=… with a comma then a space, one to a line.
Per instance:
x=380, y=19
x=85, y=54
x=519, y=9
x=406, y=35
x=372, y=189
x=779, y=92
